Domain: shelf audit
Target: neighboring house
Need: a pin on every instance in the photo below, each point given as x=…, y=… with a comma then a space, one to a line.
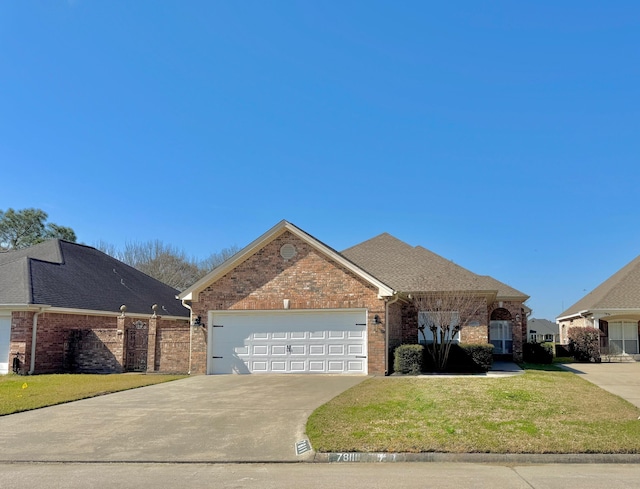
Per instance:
x=288, y=303
x=614, y=308
x=542, y=330
x=60, y=310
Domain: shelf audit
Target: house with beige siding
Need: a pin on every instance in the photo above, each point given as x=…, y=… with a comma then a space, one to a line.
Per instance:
x=614, y=308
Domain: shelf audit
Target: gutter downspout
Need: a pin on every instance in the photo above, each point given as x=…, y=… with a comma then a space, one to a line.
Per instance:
x=184, y=303
x=34, y=335
x=386, y=332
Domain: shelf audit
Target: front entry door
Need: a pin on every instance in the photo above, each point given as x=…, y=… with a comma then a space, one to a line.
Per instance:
x=500, y=336
x=137, y=341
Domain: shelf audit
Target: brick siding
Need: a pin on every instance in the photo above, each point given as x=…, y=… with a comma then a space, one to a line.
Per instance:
x=92, y=343
x=310, y=280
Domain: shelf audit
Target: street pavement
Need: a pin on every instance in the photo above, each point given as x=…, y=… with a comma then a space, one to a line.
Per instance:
x=311, y=476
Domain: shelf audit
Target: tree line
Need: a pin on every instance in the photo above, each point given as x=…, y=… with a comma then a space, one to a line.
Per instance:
x=169, y=264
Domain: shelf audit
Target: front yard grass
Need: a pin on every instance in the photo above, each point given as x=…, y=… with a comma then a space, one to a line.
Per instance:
x=537, y=412
x=18, y=393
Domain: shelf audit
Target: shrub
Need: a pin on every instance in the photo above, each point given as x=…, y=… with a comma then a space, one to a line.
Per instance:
x=538, y=352
x=408, y=359
x=466, y=358
x=480, y=355
x=584, y=344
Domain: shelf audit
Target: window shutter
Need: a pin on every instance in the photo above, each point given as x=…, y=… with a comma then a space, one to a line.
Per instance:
x=604, y=337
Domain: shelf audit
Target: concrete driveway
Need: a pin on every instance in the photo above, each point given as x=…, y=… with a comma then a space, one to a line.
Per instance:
x=621, y=379
x=226, y=418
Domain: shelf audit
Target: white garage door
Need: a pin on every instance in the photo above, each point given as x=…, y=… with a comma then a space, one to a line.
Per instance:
x=318, y=341
x=5, y=342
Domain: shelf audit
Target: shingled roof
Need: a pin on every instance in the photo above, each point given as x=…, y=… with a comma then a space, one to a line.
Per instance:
x=68, y=275
x=620, y=291
x=415, y=269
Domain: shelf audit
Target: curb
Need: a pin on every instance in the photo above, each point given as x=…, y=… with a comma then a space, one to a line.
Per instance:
x=477, y=458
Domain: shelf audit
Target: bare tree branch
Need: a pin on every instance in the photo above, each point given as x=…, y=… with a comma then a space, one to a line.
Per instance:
x=441, y=318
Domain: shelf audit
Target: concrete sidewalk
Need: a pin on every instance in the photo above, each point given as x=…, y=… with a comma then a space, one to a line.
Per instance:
x=621, y=379
x=215, y=418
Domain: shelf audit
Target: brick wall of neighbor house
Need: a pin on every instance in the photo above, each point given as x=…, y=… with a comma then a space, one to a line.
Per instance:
x=95, y=350
x=21, y=323
x=172, y=347
x=309, y=280
x=92, y=343
x=579, y=322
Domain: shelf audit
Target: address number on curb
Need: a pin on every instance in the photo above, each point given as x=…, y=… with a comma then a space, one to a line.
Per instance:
x=344, y=457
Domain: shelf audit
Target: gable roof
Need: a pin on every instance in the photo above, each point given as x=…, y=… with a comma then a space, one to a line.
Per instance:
x=620, y=291
x=542, y=326
x=191, y=293
x=384, y=261
x=415, y=269
x=67, y=275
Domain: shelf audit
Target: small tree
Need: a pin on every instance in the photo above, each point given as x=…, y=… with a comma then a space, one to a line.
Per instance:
x=441, y=317
x=28, y=227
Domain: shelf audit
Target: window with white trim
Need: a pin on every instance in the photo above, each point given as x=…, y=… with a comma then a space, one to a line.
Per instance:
x=624, y=335
x=429, y=319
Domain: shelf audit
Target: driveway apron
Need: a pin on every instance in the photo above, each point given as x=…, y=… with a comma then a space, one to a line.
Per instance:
x=621, y=379
x=226, y=418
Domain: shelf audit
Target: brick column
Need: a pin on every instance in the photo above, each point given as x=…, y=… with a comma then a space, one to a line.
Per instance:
x=121, y=334
x=151, y=343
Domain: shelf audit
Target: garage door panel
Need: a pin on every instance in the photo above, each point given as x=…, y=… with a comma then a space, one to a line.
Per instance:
x=355, y=365
x=260, y=349
x=279, y=367
x=297, y=366
x=259, y=366
x=335, y=366
x=288, y=342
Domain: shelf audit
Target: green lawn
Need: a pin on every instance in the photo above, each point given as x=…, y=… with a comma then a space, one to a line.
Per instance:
x=538, y=412
x=18, y=393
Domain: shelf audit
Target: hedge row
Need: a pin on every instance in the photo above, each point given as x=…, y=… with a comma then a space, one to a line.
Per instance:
x=463, y=358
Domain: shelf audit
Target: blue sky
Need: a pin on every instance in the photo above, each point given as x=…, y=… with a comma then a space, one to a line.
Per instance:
x=501, y=135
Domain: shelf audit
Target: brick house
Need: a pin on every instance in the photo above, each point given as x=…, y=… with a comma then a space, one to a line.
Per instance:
x=614, y=308
x=60, y=311
x=288, y=303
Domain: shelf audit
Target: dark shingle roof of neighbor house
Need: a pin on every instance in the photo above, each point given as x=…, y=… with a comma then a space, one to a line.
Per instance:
x=62, y=274
x=542, y=326
x=620, y=291
x=415, y=269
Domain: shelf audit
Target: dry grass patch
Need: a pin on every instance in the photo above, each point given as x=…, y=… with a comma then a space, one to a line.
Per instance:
x=538, y=412
x=18, y=393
